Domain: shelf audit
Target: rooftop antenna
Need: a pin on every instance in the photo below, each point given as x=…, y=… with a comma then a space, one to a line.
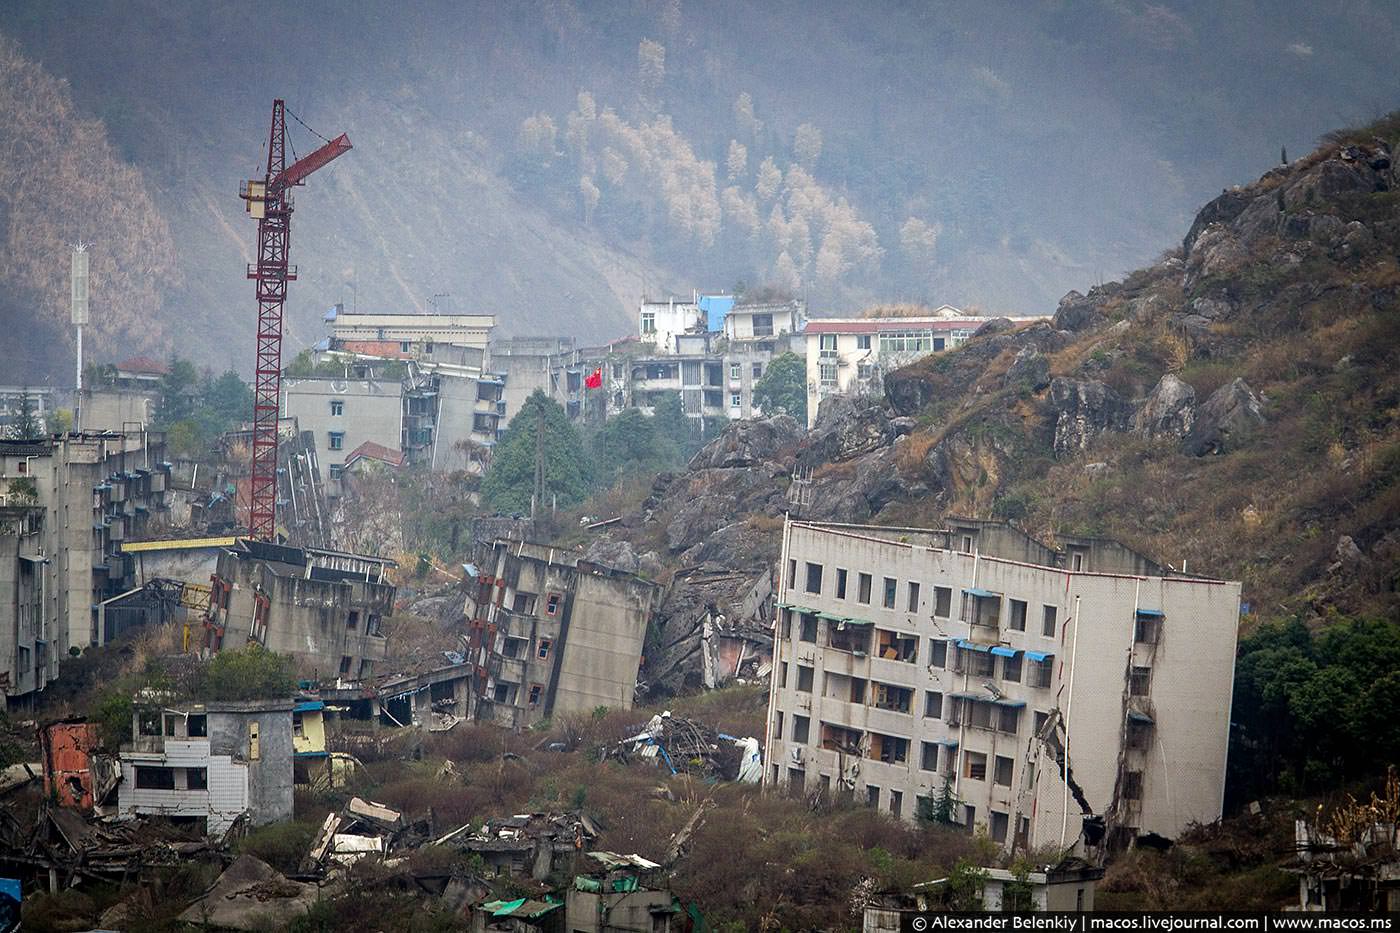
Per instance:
x=79, y=307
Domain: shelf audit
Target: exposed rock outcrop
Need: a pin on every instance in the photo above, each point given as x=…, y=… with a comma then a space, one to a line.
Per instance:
x=847, y=427
x=1226, y=420
x=1084, y=410
x=1030, y=371
x=1168, y=411
x=745, y=443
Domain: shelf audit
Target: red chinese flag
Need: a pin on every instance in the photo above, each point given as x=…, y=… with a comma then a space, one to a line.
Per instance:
x=594, y=380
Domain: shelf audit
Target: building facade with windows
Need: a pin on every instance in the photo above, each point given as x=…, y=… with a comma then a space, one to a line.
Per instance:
x=553, y=634
x=322, y=607
x=914, y=667
x=208, y=764
x=850, y=356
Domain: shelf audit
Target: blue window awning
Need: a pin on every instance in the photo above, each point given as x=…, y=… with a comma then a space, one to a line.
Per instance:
x=974, y=591
x=1014, y=704
x=950, y=743
x=1151, y=612
x=972, y=646
x=308, y=706
x=1038, y=655
x=1002, y=651
x=1135, y=716
x=831, y=616
x=965, y=696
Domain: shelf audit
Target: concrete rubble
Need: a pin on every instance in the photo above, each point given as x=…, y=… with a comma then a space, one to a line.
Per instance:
x=684, y=746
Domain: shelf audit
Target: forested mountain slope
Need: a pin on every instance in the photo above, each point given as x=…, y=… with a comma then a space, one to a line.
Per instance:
x=551, y=160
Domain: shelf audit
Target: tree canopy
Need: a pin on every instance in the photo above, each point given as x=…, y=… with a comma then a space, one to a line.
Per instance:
x=631, y=444
x=783, y=387
x=672, y=424
x=510, y=480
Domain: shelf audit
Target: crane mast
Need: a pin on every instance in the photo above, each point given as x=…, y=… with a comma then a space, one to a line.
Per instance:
x=269, y=201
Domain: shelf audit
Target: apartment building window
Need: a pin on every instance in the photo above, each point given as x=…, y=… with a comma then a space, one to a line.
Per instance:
x=891, y=749
x=896, y=802
x=792, y=573
x=1041, y=718
x=405, y=346
x=1000, y=823
x=543, y=650
x=974, y=766
x=1011, y=668
x=913, y=596
x=757, y=371
x=512, y=647
x=1147, y=625
x=856, y=692
x=1077, y=561
x=933, y=704
x=801, y=727
x=863, y=589
x=981, y=608
x=535, y=691
x=809, y=628
x=336, y=439
x=551, y=604
x=1132, y=785
x=938, y=652
x=840, y=582
x=1140, y=681
x=804, y=679
x=196, y=779
x=1008, y=719
x=366, y=668
x=895, y=646
x=1017, y=622
x=872, y=795
x=155, y=778
x=827, y=344
x=1048, y=620
x=1002, y=773
x=969, y=816
x=864, y=371
x=1042, y=669
x=862, y=341
x=735, y=372
x=814, y=578
x=827, y=371
x=763, y=325
x=896, y=699
x=337, y=470
x=942, y=601
x=648, y=322
x=523, y=604
x=779, y=728
x=981, y=664
x=891, y=592
x=797, y=779
x=345, y=664
x=337, y=408
x=352, y=620
x=736, y=400
x=782, y=679
x=617, y=371
x=849, y=636
x=928, y=756
x=1139, y=731
x=197, y=726
x=967, y=544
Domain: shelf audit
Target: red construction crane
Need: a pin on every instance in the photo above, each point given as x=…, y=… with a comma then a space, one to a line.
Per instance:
x=270, y=202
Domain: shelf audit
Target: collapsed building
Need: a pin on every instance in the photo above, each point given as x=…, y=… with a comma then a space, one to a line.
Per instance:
x=208, y=764
x=321, y=607
x=973, y=664
x=550, y=633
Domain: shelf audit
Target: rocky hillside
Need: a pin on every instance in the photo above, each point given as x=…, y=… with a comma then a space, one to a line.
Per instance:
x=1231, y=410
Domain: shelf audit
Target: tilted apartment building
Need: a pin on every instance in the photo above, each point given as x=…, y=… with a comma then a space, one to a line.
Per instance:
x=321, y=607
x=552, y=634
x=914, y=666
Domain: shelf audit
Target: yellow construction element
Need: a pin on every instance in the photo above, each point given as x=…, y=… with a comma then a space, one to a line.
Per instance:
x=308, y=731
x=180, y=544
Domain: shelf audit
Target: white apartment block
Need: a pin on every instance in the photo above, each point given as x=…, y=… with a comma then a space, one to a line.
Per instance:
x=913, y=663
x=849, y=356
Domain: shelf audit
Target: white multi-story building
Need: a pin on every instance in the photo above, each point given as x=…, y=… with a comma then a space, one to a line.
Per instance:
x=913, y=667
x=849, y=356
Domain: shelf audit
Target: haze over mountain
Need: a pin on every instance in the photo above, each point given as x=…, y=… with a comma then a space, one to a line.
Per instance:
x=549, y=161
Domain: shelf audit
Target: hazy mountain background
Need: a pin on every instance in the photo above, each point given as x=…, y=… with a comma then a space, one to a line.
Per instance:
x=548, y=160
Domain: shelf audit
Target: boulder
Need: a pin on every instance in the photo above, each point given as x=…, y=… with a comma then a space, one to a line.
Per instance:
x=1226, y=420
x=1216, y=252
x=996, y=325
x=1322, y=183
x=745, y=443
x=1168, y=411
x=847, y=426
x=614, y=553
x=1076, y=312
x=1029, y=370
x=1222, y=210
x=1084, y=410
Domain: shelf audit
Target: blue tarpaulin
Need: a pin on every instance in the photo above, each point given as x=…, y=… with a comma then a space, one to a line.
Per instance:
x=715, y=308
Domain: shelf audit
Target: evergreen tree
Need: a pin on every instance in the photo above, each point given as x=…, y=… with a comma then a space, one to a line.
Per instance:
x=510, y=480
x=631, y=444
x=783, y=387
x=672, y=424
x=178, y=389
x=26, y=424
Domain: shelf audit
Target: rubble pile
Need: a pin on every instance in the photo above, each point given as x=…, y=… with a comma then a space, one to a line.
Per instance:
x=63, y=841
x=685, y=746
x=363, y=829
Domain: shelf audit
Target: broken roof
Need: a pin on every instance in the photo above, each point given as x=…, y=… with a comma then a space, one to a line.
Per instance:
x=251, y=895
